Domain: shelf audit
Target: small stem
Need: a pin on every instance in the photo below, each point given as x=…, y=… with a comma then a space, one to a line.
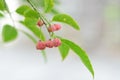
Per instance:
x=7, y=9
x=31, y=4
x=28, y=35
x=11, y=18
x=34, y=41
x=40, y=14
x=46, y=20
x=34, y=8
x=47, y=24
x=44, y=55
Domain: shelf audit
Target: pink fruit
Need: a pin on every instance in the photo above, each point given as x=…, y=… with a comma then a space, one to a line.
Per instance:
x=57, y=42
x=49, y=44
x=40, y=45
x=40, y=23
x=54, y=27
x=57, y=26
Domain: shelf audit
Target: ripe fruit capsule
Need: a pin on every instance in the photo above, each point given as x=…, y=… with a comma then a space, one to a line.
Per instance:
x=40, y=45
x=49, y=44
x=57, y=27
x=54, y=27
x=57, y=42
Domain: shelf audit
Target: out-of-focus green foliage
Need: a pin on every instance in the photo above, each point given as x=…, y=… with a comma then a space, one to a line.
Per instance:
x=112, y=12
x=40, y=4
x=2, y=5
x=1, y=15
x=9, y=33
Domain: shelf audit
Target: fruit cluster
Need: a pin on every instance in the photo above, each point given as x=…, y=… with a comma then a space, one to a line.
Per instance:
x=41, y=45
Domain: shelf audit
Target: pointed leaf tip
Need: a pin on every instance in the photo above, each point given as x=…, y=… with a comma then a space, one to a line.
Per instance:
x=64, y=50
x=81, y=53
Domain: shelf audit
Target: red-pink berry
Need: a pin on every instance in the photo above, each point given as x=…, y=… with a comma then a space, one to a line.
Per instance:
x=54, y=27
x=57, y=26
x=40, y=45
x=40, y=23
x=49, y=44
x=57, y=42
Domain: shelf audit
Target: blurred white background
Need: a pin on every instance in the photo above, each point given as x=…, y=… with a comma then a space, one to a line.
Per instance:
x=99, y=36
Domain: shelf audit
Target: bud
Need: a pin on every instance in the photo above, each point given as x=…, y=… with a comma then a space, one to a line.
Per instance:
x=40, y=23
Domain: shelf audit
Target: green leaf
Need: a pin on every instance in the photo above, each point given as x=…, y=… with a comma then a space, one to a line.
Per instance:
x=6, y=7
x=2, y=5
x=9, y=33
x=81, y=53
x=64, y=50
x=31, y=25
x=1, y=15
x=54, y=11
x=27, y=12
x=49, y=4
x=31, y=14
x=22, y=9
x=66, y=19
